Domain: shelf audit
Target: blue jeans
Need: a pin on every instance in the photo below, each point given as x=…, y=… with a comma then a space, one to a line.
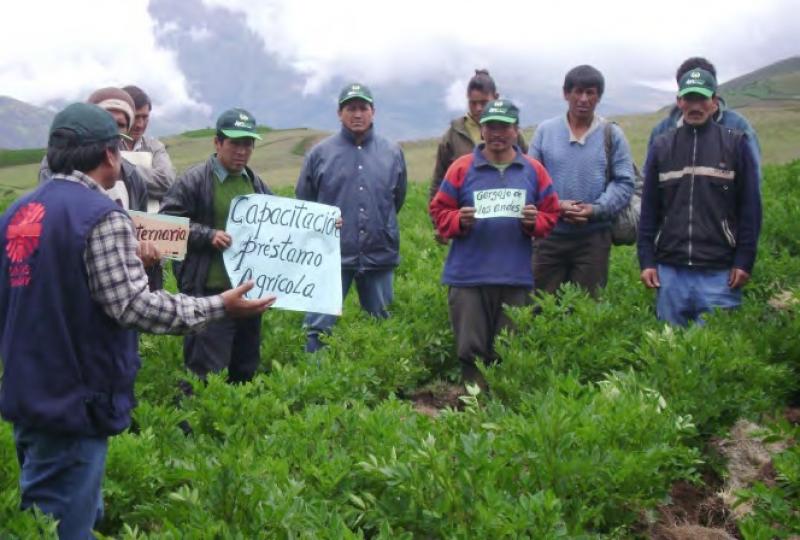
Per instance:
x=62, y=475
x=374, y=293
x=686, y=293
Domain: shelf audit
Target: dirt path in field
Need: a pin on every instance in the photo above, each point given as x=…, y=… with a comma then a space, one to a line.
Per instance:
x=706, y=511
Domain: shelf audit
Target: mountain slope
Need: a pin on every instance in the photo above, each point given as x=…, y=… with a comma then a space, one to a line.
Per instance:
x=23, y=125
x=775, y=83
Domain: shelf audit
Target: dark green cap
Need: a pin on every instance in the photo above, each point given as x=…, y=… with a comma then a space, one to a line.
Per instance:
x=355, y=91
x=697, y=81
x=90, y=123
x=500, y=110
x=237, y=123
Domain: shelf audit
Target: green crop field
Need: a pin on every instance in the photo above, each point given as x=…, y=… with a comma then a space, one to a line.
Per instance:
x=596, y=412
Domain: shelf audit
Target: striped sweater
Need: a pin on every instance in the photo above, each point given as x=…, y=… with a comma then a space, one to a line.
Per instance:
x=494, y=251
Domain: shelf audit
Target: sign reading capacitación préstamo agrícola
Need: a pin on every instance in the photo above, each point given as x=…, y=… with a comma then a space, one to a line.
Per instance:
x=290, y=248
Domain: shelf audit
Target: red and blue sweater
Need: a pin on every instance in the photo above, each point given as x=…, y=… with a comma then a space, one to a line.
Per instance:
x=494, y=251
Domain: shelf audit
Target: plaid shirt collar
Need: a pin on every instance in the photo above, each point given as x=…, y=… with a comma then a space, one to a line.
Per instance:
x=79, y=178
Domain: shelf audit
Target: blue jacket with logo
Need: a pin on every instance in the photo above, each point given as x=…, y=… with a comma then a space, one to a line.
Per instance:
x=67, y=366
x=368, y=184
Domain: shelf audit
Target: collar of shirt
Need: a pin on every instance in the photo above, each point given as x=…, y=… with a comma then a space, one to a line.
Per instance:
x=80, y=178
x=350, y=137
x=222, y=173
x=596, y=121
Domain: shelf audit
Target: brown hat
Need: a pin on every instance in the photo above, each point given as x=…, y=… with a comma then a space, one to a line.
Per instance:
x=114, y=99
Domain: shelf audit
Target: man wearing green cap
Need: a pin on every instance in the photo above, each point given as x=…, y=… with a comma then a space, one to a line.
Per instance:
x=203, y=194
x=701, y=209
x=73, y=292
x=363, y=174
x=490, y=203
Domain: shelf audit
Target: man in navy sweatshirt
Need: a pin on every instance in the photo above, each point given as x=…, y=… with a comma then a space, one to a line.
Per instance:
x=701, y=209
x=572, y=148
x=490, y=203
x=72, y=293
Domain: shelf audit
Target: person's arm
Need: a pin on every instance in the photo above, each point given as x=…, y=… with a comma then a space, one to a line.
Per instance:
x=617, y=193
x=402, y=181
x=648, y=221
x=307, y=187
x=535, y=150
x=180, y=202
x=748, y=202
x=444, y=158
x=118, y=283
x=444, y=210
x=548, y=207
x=161, y=175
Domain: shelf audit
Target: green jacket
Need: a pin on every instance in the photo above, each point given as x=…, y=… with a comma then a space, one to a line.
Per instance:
x=454, y=144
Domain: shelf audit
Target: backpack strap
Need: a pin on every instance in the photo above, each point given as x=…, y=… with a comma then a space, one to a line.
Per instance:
x=607, y=144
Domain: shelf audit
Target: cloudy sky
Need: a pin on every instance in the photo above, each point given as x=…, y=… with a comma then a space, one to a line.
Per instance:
x=292, y=55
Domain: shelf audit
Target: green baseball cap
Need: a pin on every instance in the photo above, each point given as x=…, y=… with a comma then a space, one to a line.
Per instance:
x=697, y=81
x=500, y=110
x=90, y=123
x=237, y=123
x=355, y=91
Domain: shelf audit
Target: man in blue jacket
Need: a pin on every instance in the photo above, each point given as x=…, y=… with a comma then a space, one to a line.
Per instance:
x=701, y=209
x=722, y=115
x=72, y=293
x=363, y=174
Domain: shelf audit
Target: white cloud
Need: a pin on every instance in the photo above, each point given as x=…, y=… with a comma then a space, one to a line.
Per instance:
x=55, y=51
x=385, y=41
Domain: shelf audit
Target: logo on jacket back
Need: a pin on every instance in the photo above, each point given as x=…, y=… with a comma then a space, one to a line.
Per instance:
x=22, y=239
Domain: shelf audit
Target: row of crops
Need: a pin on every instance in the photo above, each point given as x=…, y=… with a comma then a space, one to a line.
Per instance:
x=595, y=412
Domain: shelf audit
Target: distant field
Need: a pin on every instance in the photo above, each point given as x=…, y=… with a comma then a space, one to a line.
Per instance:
x=279, y=156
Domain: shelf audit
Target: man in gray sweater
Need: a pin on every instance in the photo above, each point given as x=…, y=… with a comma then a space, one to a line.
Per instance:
x=572, y=149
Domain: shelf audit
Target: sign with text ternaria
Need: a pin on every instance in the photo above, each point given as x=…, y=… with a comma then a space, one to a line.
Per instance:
x=170, y=234
x=289, y=248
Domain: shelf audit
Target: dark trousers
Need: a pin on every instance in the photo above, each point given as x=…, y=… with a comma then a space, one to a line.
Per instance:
x=227, y=343
x=582, y=260
x=477, y=315
x=62, y=475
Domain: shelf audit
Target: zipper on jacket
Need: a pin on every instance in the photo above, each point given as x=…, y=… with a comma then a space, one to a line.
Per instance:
x=691, y=191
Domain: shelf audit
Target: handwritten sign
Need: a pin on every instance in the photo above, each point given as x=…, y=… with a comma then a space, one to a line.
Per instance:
x=142, y=159
x=169, y=233
x=494, y=203
x=290, y=248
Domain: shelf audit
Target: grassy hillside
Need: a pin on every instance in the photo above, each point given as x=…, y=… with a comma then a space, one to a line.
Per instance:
x=773, y=84
x=279, y=156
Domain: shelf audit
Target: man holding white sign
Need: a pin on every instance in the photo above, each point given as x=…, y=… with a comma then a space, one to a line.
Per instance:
x=491, y=203
x=204, y=194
